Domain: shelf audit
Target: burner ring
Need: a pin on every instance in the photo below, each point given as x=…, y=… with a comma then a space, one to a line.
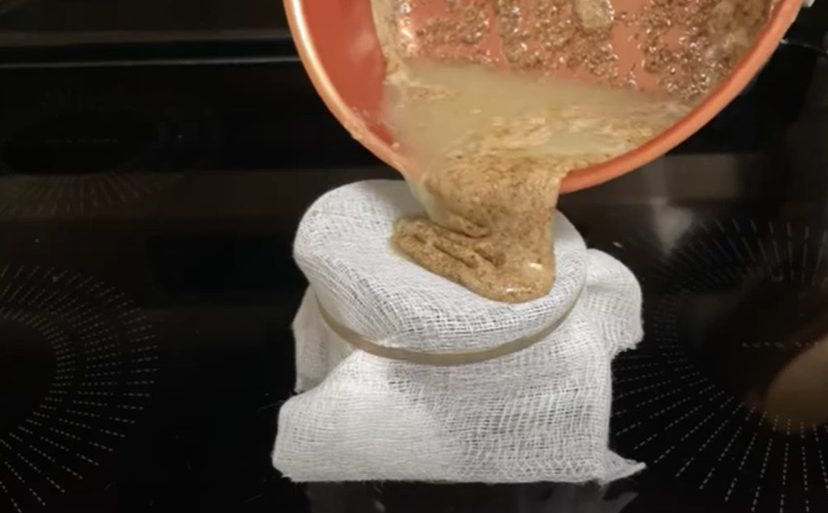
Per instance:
x=703, y=422
x=69, y=158
x=95, y=378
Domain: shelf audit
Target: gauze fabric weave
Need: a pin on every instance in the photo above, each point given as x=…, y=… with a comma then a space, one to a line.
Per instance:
x=541, y=414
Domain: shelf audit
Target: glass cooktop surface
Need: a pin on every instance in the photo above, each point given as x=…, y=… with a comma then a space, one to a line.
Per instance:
x=147, y=289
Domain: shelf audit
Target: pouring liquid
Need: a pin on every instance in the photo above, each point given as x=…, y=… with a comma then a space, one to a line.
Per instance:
x=491, y=149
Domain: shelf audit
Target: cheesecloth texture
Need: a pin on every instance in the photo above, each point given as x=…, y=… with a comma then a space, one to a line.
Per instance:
x=538, y=414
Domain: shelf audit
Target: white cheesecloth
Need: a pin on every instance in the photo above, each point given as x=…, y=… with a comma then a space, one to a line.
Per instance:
x=539, y=414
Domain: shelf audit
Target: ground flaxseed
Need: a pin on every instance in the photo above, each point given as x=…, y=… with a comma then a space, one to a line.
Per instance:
x=492, y=164
x=490, y=170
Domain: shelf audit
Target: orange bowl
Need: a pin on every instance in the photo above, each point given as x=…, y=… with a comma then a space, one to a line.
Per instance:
x=338, y=45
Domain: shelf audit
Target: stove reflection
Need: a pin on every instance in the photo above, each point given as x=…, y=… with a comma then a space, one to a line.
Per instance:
x=727, y=394
x=754, y=318
x=800, y=389
x=80, y=160
x=462, y=498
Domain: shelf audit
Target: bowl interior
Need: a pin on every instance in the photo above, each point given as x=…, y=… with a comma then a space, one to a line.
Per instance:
x=339, y=46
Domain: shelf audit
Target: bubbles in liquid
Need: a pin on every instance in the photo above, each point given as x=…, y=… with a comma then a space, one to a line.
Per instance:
x=683, y=48
x=472, y=101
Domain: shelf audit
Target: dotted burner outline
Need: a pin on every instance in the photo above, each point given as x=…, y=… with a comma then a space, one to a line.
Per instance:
x=105, y=366
x=713, y=440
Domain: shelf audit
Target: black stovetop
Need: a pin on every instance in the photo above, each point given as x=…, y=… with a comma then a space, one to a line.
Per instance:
x=147, y=287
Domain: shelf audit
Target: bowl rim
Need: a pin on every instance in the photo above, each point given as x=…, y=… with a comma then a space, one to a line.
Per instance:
x=785, y=12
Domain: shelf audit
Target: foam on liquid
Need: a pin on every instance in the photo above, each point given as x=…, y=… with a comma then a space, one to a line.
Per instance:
x=437, y=110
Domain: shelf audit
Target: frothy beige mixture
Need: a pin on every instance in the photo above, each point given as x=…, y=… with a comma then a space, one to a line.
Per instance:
x=491, y=147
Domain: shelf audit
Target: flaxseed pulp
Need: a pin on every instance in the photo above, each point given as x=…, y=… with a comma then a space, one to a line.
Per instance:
x=492, y=135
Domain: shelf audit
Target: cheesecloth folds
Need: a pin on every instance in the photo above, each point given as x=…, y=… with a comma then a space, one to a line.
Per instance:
x=539, y=414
